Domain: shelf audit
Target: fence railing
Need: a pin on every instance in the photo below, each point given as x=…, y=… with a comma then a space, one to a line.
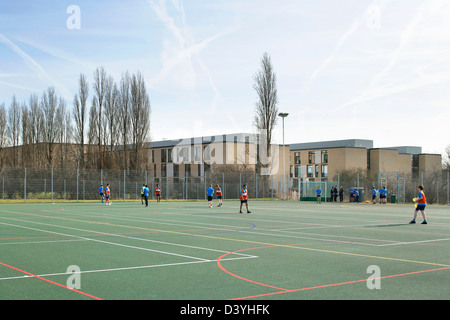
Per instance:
x=80, y=185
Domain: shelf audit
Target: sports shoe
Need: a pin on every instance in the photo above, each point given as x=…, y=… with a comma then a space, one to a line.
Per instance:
x=249, y=212
x=424, y=222
x=240, y=211
x=412, y=222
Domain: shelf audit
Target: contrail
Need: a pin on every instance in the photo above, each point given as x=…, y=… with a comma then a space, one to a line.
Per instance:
x=36, y=67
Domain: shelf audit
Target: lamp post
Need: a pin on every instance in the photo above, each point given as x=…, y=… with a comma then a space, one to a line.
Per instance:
x=283, y=115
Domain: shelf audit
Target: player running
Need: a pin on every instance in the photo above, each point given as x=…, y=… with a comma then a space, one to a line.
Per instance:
x=421, y=205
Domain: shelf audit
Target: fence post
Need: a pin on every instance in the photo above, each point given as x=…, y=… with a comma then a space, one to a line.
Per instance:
x=25, y=186
x=77, y=182
x=52, y=185
x=124, y=182
x=448, y=185
x=256, y=185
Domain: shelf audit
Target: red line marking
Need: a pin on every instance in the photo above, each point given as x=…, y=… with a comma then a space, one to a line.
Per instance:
x=242, y=278
x=52, y=282
x=282, y=290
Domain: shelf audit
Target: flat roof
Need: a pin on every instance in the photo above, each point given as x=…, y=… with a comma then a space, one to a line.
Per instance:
x=233, y=137
x=349, y=143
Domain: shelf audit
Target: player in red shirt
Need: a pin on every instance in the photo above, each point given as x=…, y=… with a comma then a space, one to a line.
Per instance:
x=244, y=198
x=158, y=193
x=219, y=195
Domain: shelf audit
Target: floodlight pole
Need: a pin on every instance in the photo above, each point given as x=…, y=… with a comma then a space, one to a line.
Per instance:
x=283, y=115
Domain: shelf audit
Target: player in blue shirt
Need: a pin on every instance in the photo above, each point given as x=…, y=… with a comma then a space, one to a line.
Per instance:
x=210, y=192
x=146, y=191
x=374, y=195
x=383, y=195
x=100, y=190
x=319, y=195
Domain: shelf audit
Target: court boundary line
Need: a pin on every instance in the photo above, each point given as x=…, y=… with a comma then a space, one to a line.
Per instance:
x=49, y=281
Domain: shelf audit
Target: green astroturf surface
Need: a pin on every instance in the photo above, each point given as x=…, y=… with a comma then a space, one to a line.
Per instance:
x=188, y=251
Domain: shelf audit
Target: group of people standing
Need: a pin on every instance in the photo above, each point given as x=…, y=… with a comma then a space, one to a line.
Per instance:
x=334, y=194
x=243, y=196
x=145, y=193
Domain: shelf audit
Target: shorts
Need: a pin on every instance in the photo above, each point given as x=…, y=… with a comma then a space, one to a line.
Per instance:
x=209, y=198
x=219, y=197
x=374, y=197
x=382, y=197
x=142, y=195
x=101, y=194
x=243, y=201
x=158, y=194
x=421, y=206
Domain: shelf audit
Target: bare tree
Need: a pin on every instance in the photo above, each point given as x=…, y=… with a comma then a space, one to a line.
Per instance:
x=93, y=133
x=100, y=87
x=49, y=105
x=124, y=115
x=111, y=118
x=35, y=119
x=446, y=160
x=266, y=106
x=14, y=116
x=3, y=132
x=26, y=141
x=80, y=116
x=140, y=117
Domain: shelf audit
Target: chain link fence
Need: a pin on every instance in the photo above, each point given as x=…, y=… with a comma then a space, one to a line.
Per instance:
x=27, y=184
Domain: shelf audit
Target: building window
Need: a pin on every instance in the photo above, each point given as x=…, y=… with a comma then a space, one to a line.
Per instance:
x=152, y=156
x=169, y=155
x=325, y=171
x=317, y=170
x=324, y=156
x=297, y=158
x=310, y=171
x=187, y=170
x=163, y=155
x=297, y=172
x=197, y=154
x=163, y=170
x=176, y=170
x=154, y=170
x=311, y=157
x=415, y=163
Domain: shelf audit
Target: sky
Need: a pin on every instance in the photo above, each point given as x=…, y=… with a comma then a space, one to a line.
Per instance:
x=355, y=69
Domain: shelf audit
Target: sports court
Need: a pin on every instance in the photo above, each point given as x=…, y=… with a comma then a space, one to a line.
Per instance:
x=283, y=250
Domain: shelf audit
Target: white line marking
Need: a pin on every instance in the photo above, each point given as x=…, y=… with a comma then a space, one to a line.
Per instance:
x=127, y=268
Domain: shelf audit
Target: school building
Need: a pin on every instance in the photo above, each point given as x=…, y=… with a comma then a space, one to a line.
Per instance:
x=193, y=157
x=313, y=161
x=322, y=161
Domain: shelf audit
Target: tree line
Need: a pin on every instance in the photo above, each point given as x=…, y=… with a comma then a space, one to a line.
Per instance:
x=105, y=126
